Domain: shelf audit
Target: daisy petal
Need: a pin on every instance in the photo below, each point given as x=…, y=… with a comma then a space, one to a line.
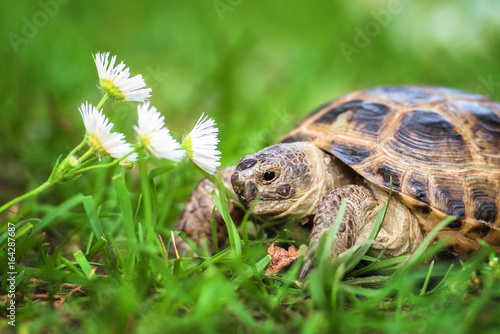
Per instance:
x=201, y=145
x=116, y=81
x=101, y=139
x=154, y=136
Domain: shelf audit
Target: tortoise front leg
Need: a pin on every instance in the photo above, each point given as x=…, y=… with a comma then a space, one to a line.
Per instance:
x=194, y=220
x=363, y=205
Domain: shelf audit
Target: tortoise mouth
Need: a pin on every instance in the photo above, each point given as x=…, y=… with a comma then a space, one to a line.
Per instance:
x=274, y=209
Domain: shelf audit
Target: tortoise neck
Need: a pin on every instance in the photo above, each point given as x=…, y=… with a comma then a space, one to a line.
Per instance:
x=331, y=173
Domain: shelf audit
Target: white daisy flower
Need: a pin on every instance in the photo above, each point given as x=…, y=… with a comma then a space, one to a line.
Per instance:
x=101, y=139
x=115, y=81
x=201, y=145
x=154, y=136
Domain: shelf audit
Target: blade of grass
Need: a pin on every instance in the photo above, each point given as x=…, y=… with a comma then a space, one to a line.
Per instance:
x=387, y=263
x=71, y=266
x=96, y=264
x=147, y=202
x=20, y=230
x=89, y=243
x=248, y=271
x=253, y=265
x=215, y=239
x=128, y=221
x=119, y=254
x=140, y=233
x=126, y=207
x=96, y=249
x=379, y=220
x=221, y=204
x=57, y=212
x=189, y=241
x=415, y=257
x=325, y=254
x=95, y=222
x=367, y=280
x=427, y=278
x=23, y=230
x=44, y=259
x=83, y=263
x=444, y=279
x=93, y=216
x=318, y=278
x=219, y=257
x=336, y=282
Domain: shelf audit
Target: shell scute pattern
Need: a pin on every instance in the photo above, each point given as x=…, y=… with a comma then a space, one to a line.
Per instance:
x=440, y=146
x=406, y=95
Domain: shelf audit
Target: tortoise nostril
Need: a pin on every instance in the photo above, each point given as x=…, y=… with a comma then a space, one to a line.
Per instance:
x=250, y=192
x=235, y=178
x=236, y=182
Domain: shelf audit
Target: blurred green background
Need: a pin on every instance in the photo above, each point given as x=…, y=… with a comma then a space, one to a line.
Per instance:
x=256, y=67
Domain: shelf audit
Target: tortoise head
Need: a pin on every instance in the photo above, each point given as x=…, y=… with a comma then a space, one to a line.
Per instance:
x=288, y=180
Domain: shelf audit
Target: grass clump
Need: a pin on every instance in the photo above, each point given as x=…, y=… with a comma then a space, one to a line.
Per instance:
x=113, y=282
x=88, y=257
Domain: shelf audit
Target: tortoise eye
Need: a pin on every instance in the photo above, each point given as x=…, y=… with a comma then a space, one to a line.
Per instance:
x=269, y=176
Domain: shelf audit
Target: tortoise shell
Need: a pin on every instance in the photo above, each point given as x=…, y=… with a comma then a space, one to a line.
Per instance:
x=440, y=146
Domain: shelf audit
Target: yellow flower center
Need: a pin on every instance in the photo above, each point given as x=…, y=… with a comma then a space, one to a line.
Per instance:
x=187, y=144
x=96, y=144
x=108, y=86
x=145, y=141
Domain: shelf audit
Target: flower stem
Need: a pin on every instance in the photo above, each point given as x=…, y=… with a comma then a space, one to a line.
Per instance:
x=104, y=98
x=213, y=179
x=146, y=195
x=79, y=147
x=109, y=164
x=85, y=155
x=34, y=192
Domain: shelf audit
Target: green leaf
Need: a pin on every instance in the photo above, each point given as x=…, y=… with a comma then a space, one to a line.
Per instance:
x=54, y=171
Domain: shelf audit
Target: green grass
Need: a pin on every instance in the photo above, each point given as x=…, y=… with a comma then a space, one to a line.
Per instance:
x=123, y=284
x=258, y=69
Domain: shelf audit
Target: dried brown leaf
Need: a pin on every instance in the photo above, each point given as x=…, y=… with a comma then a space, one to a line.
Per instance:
x=280, y=258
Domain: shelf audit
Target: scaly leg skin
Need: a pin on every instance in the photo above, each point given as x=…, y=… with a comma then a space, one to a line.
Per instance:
x=194, y=220
x=362, y=206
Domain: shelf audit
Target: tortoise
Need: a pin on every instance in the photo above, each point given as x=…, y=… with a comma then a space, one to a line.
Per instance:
x=439, y=146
